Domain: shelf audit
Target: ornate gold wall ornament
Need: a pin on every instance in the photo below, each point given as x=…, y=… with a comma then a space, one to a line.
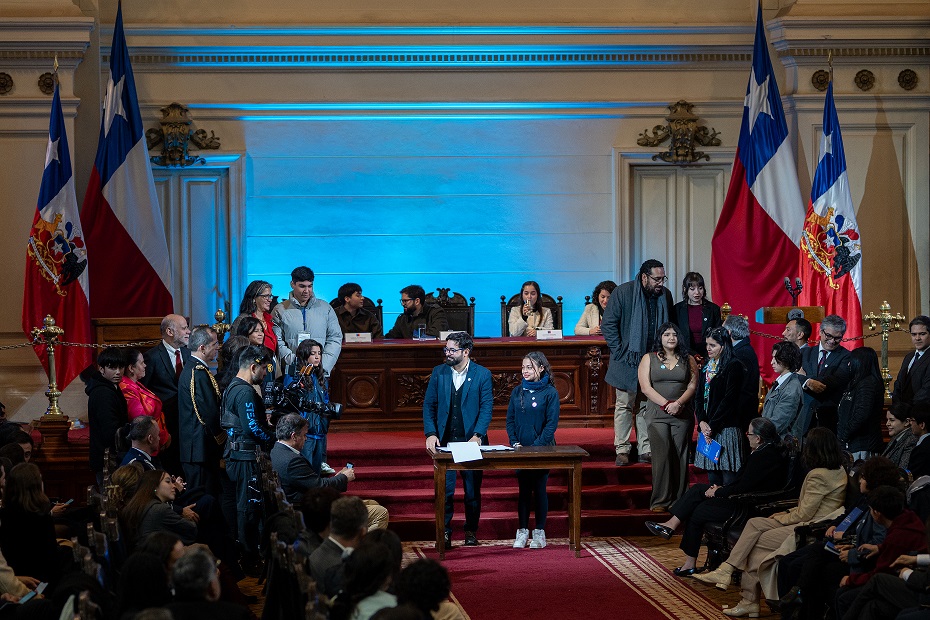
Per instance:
x=47, y=83
x=907, y=79
x=684, y=132
x=175, y=137
x=865, y=80
x=820, y=80
x=6, y=83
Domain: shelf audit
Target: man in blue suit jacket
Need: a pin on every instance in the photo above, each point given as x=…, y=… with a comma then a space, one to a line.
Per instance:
x=457, y=407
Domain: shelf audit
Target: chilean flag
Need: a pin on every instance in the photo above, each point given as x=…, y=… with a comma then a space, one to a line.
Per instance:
x=56, y=258
x=755, y=244
x=129, y=265
x=831, y=251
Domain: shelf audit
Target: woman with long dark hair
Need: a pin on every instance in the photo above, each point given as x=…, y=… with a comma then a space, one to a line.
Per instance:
x=309, y=373
x=717, y=407
x=139, y=399
x=668, y=379
x=696, y=315
x=859, y=415
x=532, y=418
x=531, y=315
x=150, y=510
x=590, y=322
x=256, y=303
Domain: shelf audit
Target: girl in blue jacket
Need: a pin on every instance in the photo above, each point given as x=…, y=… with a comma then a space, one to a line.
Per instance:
x=532, y=417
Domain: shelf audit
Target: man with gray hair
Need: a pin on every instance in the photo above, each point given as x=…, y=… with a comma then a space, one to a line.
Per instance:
x=197, y=589
x=828, y=375
x=738, y=327
x=143, y=433
x=201, y=438
x=347, y=526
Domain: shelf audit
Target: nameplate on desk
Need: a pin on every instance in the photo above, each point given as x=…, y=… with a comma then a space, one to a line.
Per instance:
x=445, y=335
x=548, y=334
x=358, y=337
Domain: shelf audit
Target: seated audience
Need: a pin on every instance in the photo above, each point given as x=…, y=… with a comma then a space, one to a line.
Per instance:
x=27, y=530
x=416, y=312
x=123, y=484
x=695, y=315
x=347, y=527
x=823, y=491
x=353, y=316
x=106, y=406
x=14, y=453
x=369, y=572
x=590, y=322
x=717, y=407
x=197, y=591
x=150, y=510
x=783, y=402
x=145, y=437
x=763, y=471
x=164, y=545
x=425, y=585
x=809, y=577
x=798, y=331
x=919, y=464
x=531, y=314
x=143, y=583
x=902, y=440
x=316, y=507
x=14, y=434
x=905, y=535
x=294, y=470
x=859, y=415
x=256, y=303
x=139, y=399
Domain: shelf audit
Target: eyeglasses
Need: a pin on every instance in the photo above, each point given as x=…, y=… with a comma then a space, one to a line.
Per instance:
x=404, y=302
x=448, y=350
x=661, y=280
x=266, y=296
x=831, y=337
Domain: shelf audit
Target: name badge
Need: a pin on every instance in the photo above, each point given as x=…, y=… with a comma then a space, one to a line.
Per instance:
x=548, y=334
x=301, y=336
x=358, y=337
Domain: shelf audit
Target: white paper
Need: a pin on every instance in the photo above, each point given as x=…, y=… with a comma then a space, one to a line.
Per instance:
x=358, y=337
x=548, y=334
x=497, y=448
x=463, y=451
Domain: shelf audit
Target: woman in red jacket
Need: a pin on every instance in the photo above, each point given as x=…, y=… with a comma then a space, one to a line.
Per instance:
x=139, y=399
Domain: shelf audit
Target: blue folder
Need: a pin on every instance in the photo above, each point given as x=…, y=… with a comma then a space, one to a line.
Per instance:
x=709, y=449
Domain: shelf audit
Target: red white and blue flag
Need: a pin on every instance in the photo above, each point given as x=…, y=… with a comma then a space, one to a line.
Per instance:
x=831, y=251
x=130, y=270
x=755, y=243
x=56, y=257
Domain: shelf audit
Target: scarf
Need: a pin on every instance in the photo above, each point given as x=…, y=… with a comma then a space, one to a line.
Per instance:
x=710, y=371
x=536, y=385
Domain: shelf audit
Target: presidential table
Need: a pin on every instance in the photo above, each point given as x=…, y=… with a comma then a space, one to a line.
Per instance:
x=381, y=384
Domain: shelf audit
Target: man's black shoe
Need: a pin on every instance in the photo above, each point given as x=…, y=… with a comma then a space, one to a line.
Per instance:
x=470, y=539
x=448, y=540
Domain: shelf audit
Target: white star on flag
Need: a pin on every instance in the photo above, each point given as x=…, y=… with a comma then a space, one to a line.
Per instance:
x=757, y=99
x=826, y=146
x=114, y=104
x=51, y=152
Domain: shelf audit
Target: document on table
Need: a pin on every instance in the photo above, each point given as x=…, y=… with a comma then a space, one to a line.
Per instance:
x=497, y=448
x=463, y=451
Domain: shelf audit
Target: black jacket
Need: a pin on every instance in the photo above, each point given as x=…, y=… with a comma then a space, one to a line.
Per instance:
x=721, y=410
x=919, y=464
x=749, y=394
x=710, y=318
x=765, y=470
x=915, y=385
x=198, y=444
x=834, y=374
x=106, y=413
x=297, y=476
x=861, y=414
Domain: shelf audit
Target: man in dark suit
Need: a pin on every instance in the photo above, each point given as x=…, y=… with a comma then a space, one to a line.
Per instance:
x=199, y=414
x=798, y=331
x=913, y=382
x=347, y=527
x=457, y=407
x=163, y=365
x=197, y=590
x=294, y=470
x=827, y=370
x=738, y=327
x=919, y=463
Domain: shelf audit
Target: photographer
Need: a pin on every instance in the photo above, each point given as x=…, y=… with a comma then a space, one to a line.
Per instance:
x=306, y=392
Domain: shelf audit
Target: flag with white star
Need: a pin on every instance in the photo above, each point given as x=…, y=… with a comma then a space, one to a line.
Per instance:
x=130, y=269
x=755, y=242
x=56, y=257
x=831, y=248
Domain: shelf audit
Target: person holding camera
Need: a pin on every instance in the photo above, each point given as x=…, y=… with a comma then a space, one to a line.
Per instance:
x=243, y=419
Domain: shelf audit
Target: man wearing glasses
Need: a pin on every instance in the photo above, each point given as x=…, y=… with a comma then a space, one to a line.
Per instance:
x=913, y=382
x=417, y=312
x=457, y=407
x=246, y=427
x=827, y=369
x=634, y=313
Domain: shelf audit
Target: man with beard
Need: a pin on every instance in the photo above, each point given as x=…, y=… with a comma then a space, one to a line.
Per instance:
x=304, y=316
x=634, y=312
x=413, y=299
x=457, y=407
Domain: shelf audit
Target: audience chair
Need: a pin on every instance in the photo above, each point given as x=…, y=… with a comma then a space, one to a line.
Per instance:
x=459, y=312
x=367, y=304
x=554, y=305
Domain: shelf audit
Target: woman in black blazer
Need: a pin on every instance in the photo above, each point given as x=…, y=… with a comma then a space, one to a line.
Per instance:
x=861, y=410
x=765, y=470
x=696, y=315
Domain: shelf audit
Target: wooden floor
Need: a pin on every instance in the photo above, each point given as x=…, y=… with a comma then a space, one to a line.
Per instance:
x=665, y=552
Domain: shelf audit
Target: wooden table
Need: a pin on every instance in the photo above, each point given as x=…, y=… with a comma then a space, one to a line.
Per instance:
x=381, y=384
x=525, y=457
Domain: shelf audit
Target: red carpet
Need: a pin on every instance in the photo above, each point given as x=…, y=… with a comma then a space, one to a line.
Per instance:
x=612, y=578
